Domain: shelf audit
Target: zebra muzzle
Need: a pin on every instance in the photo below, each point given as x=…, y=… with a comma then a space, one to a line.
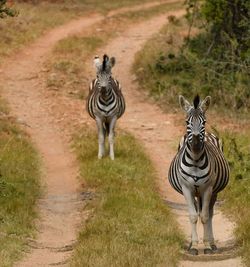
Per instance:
x=196, y=143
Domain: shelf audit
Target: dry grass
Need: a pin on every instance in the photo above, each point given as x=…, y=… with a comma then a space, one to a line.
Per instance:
x=70, y=59
x=34, y=19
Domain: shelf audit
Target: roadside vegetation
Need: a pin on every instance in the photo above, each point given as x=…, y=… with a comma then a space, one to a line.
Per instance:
x=19, y=189
x=208, y=53
x=237, y=194
x=129, y=224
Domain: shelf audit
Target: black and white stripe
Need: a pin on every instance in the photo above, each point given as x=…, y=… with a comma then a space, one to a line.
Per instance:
x=199, y=171
x=105, y=103
x=211, y=164
x=110, y=105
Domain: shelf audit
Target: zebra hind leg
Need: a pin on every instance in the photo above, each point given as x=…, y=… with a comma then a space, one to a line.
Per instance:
x=210, y=226
x=111, y=137
x=206, y=219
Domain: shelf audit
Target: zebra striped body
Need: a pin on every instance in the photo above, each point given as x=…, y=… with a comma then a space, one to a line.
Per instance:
x=199, y=171
x=211, y=167
x=105, y=103
x=105, y=106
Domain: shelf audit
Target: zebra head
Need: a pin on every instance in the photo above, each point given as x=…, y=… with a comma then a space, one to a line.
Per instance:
x=103, y=73
x=195, y=120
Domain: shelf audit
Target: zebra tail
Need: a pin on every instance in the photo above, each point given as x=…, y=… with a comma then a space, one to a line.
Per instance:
x=199, y=205
x=106, y=127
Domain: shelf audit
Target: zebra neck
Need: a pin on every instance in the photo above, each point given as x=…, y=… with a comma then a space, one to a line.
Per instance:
x=194, y=159
x=195, y=155
x=194, y=166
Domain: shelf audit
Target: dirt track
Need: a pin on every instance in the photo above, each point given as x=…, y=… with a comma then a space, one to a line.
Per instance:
x=29, y=101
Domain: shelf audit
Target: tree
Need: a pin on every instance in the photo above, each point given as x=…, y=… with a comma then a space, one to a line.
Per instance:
x=227, y=23
x=5, y=10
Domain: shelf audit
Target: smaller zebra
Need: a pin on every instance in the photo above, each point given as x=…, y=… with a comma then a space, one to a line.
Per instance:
x=105, y=103
x=199, y=171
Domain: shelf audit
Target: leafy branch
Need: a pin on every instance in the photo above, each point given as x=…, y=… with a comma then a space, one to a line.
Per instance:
x=6, y=10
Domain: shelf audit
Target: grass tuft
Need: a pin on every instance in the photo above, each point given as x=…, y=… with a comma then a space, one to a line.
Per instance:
x=130, y=226
x=19, y=190
x=237, y=193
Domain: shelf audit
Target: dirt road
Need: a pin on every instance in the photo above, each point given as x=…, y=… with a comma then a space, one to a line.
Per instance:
x=25, y=92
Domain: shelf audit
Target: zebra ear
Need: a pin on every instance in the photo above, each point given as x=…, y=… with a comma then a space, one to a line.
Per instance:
x=185, y=105
x=97, y=62
x=205, y=104
x=112, y=62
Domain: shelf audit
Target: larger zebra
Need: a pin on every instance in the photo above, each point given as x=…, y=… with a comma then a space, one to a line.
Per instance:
x=199, y=171
x=105, y=103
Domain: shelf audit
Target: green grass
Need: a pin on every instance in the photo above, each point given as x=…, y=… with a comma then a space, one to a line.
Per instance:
x=237, y=193
x=130, y=225
x=19, y=190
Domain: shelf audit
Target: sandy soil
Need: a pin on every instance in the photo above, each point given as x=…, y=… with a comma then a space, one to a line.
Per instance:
x=52, y=120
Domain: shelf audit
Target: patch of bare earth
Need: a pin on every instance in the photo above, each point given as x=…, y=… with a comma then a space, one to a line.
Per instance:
x=51, y=120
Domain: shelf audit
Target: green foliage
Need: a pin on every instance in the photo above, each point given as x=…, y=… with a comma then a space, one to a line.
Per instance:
x=6, y=11
x=167, y=69
x=227, y=22
x=229, y=25
x=222, y=50
x=130, y=225
x=237, y=193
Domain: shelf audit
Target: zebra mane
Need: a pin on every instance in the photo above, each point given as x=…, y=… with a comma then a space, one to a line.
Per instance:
x=104, y=63
x=196, y=101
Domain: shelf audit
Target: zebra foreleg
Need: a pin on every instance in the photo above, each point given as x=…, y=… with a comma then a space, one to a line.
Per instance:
x=111, y=137
x=193, y=217
x=210, y=225
x=206, y=220
x=101, y=138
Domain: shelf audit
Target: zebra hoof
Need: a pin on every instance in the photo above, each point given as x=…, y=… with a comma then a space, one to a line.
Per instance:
x=193, y=251
x=208, y=251
x=214, y=248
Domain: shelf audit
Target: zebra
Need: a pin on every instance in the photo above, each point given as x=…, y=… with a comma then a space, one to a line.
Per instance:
x=105, y=103
x=199, y=171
